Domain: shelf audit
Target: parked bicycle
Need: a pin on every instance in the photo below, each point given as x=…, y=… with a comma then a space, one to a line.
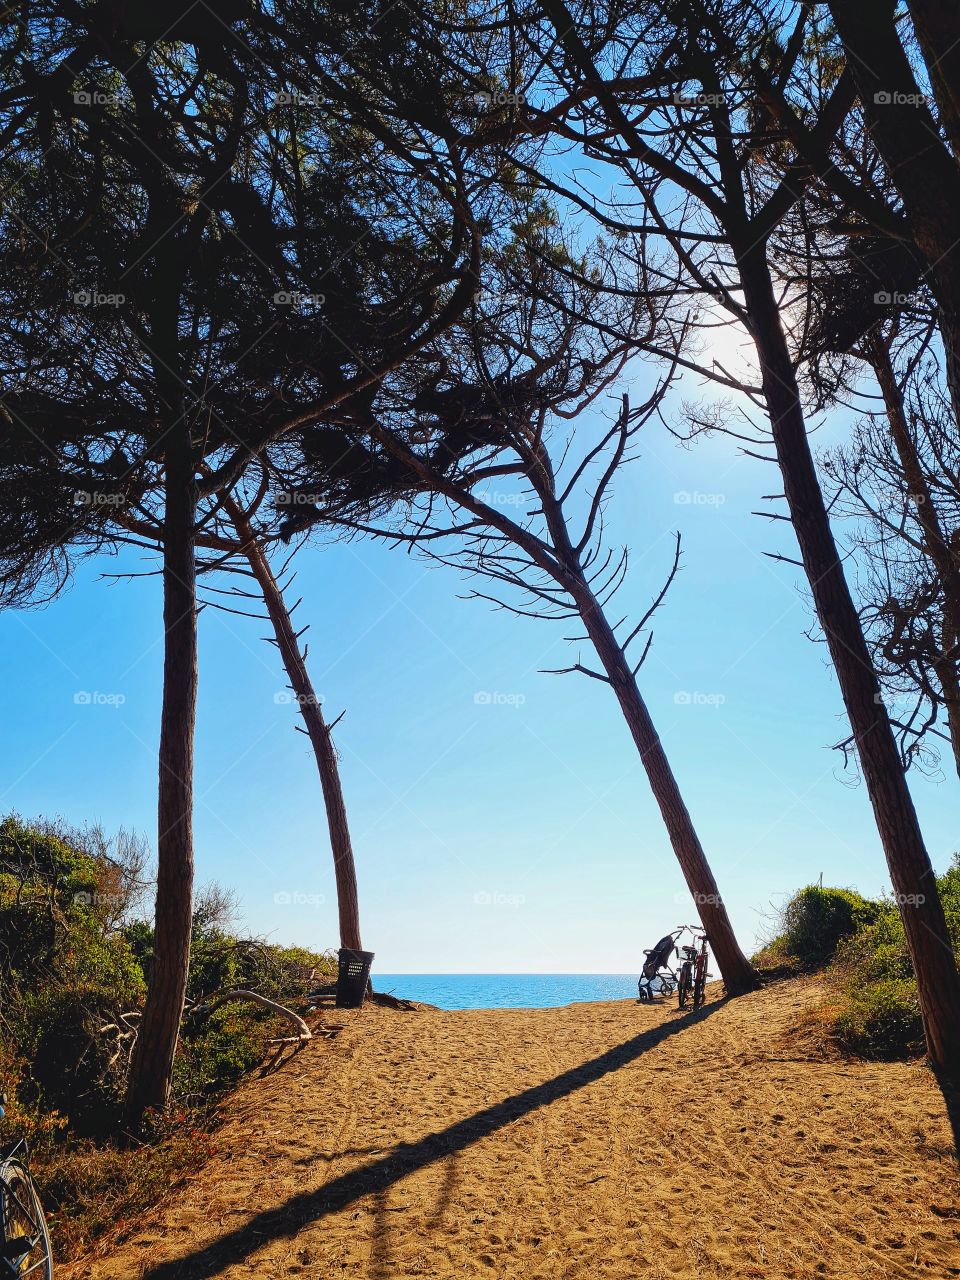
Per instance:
x=689, y=980
x=693, y=975
x=25, y=1241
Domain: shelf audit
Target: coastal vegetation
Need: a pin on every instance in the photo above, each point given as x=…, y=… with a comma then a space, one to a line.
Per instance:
x=75, y=955
x=281, y=273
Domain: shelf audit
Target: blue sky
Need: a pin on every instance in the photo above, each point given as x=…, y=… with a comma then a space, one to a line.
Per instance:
x=508, y=833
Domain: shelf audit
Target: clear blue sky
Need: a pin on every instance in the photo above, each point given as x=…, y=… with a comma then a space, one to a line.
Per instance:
x=509, y=835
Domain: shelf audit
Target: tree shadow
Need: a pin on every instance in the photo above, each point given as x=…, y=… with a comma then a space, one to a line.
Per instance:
x=375, y=1178
x=951, y=1098
x=382, y=1264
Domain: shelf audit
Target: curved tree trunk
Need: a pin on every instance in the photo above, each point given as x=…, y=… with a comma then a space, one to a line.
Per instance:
x=935, y=22
x=922, y=168
x=344, y=867
x=151, y=1066
x=738, y=973
x=911, y=872
x=936, y=545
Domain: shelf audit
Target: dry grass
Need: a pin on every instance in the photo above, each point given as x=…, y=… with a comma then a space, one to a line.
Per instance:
x=597, y=1142
x=94, y=1194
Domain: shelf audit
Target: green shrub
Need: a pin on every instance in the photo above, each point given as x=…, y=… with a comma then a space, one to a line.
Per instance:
x=73, y=959
x=873, y=973
x=875, y=953
x=816, y=919
x=882, y=1021
x=216, y=1051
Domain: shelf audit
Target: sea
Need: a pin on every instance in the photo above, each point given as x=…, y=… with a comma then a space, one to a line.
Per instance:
x=506, y=990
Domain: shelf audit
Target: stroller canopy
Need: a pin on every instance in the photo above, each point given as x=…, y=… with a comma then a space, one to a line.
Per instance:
x=659, y=956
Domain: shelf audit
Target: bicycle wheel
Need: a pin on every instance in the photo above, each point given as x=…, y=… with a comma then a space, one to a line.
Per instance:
x=25, y=1249
x=684, y=985
x=700, y=985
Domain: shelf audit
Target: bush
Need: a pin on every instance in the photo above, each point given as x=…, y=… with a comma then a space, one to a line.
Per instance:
x=73, y=967
x=876, y=953
x=873, y=974
x=815, y=920
x=89, y=1190
x=882, y=1021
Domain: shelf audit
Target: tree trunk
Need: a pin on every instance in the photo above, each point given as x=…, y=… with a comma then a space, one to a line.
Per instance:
x=344, y=867
x=736, y=970
x=910, y=869
x=151, y=1066
x=935, y=542
x=935, y=22
x=921, y=166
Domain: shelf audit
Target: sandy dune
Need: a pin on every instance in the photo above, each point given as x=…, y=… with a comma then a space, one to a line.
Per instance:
x=603, y=1142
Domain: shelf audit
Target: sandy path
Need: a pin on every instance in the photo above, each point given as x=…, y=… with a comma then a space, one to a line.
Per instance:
x=603, y=1142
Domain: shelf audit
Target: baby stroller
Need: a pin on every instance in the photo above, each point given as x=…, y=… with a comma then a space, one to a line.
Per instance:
x=657, y=978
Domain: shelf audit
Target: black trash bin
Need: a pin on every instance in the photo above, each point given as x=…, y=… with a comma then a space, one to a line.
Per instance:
x=353, y=977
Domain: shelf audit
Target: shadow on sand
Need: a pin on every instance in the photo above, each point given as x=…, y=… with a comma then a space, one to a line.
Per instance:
x=373, y=1179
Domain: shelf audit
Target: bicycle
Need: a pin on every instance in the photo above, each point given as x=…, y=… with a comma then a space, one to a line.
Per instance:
x=24, y=1239
x=693, y=975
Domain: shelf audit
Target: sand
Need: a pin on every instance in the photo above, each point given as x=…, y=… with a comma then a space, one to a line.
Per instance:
x=609, y=1141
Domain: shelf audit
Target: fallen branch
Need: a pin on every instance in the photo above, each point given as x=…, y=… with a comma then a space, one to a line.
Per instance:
x=255, y=998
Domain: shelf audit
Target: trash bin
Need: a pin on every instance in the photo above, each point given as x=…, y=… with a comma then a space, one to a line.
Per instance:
x=353, y=976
